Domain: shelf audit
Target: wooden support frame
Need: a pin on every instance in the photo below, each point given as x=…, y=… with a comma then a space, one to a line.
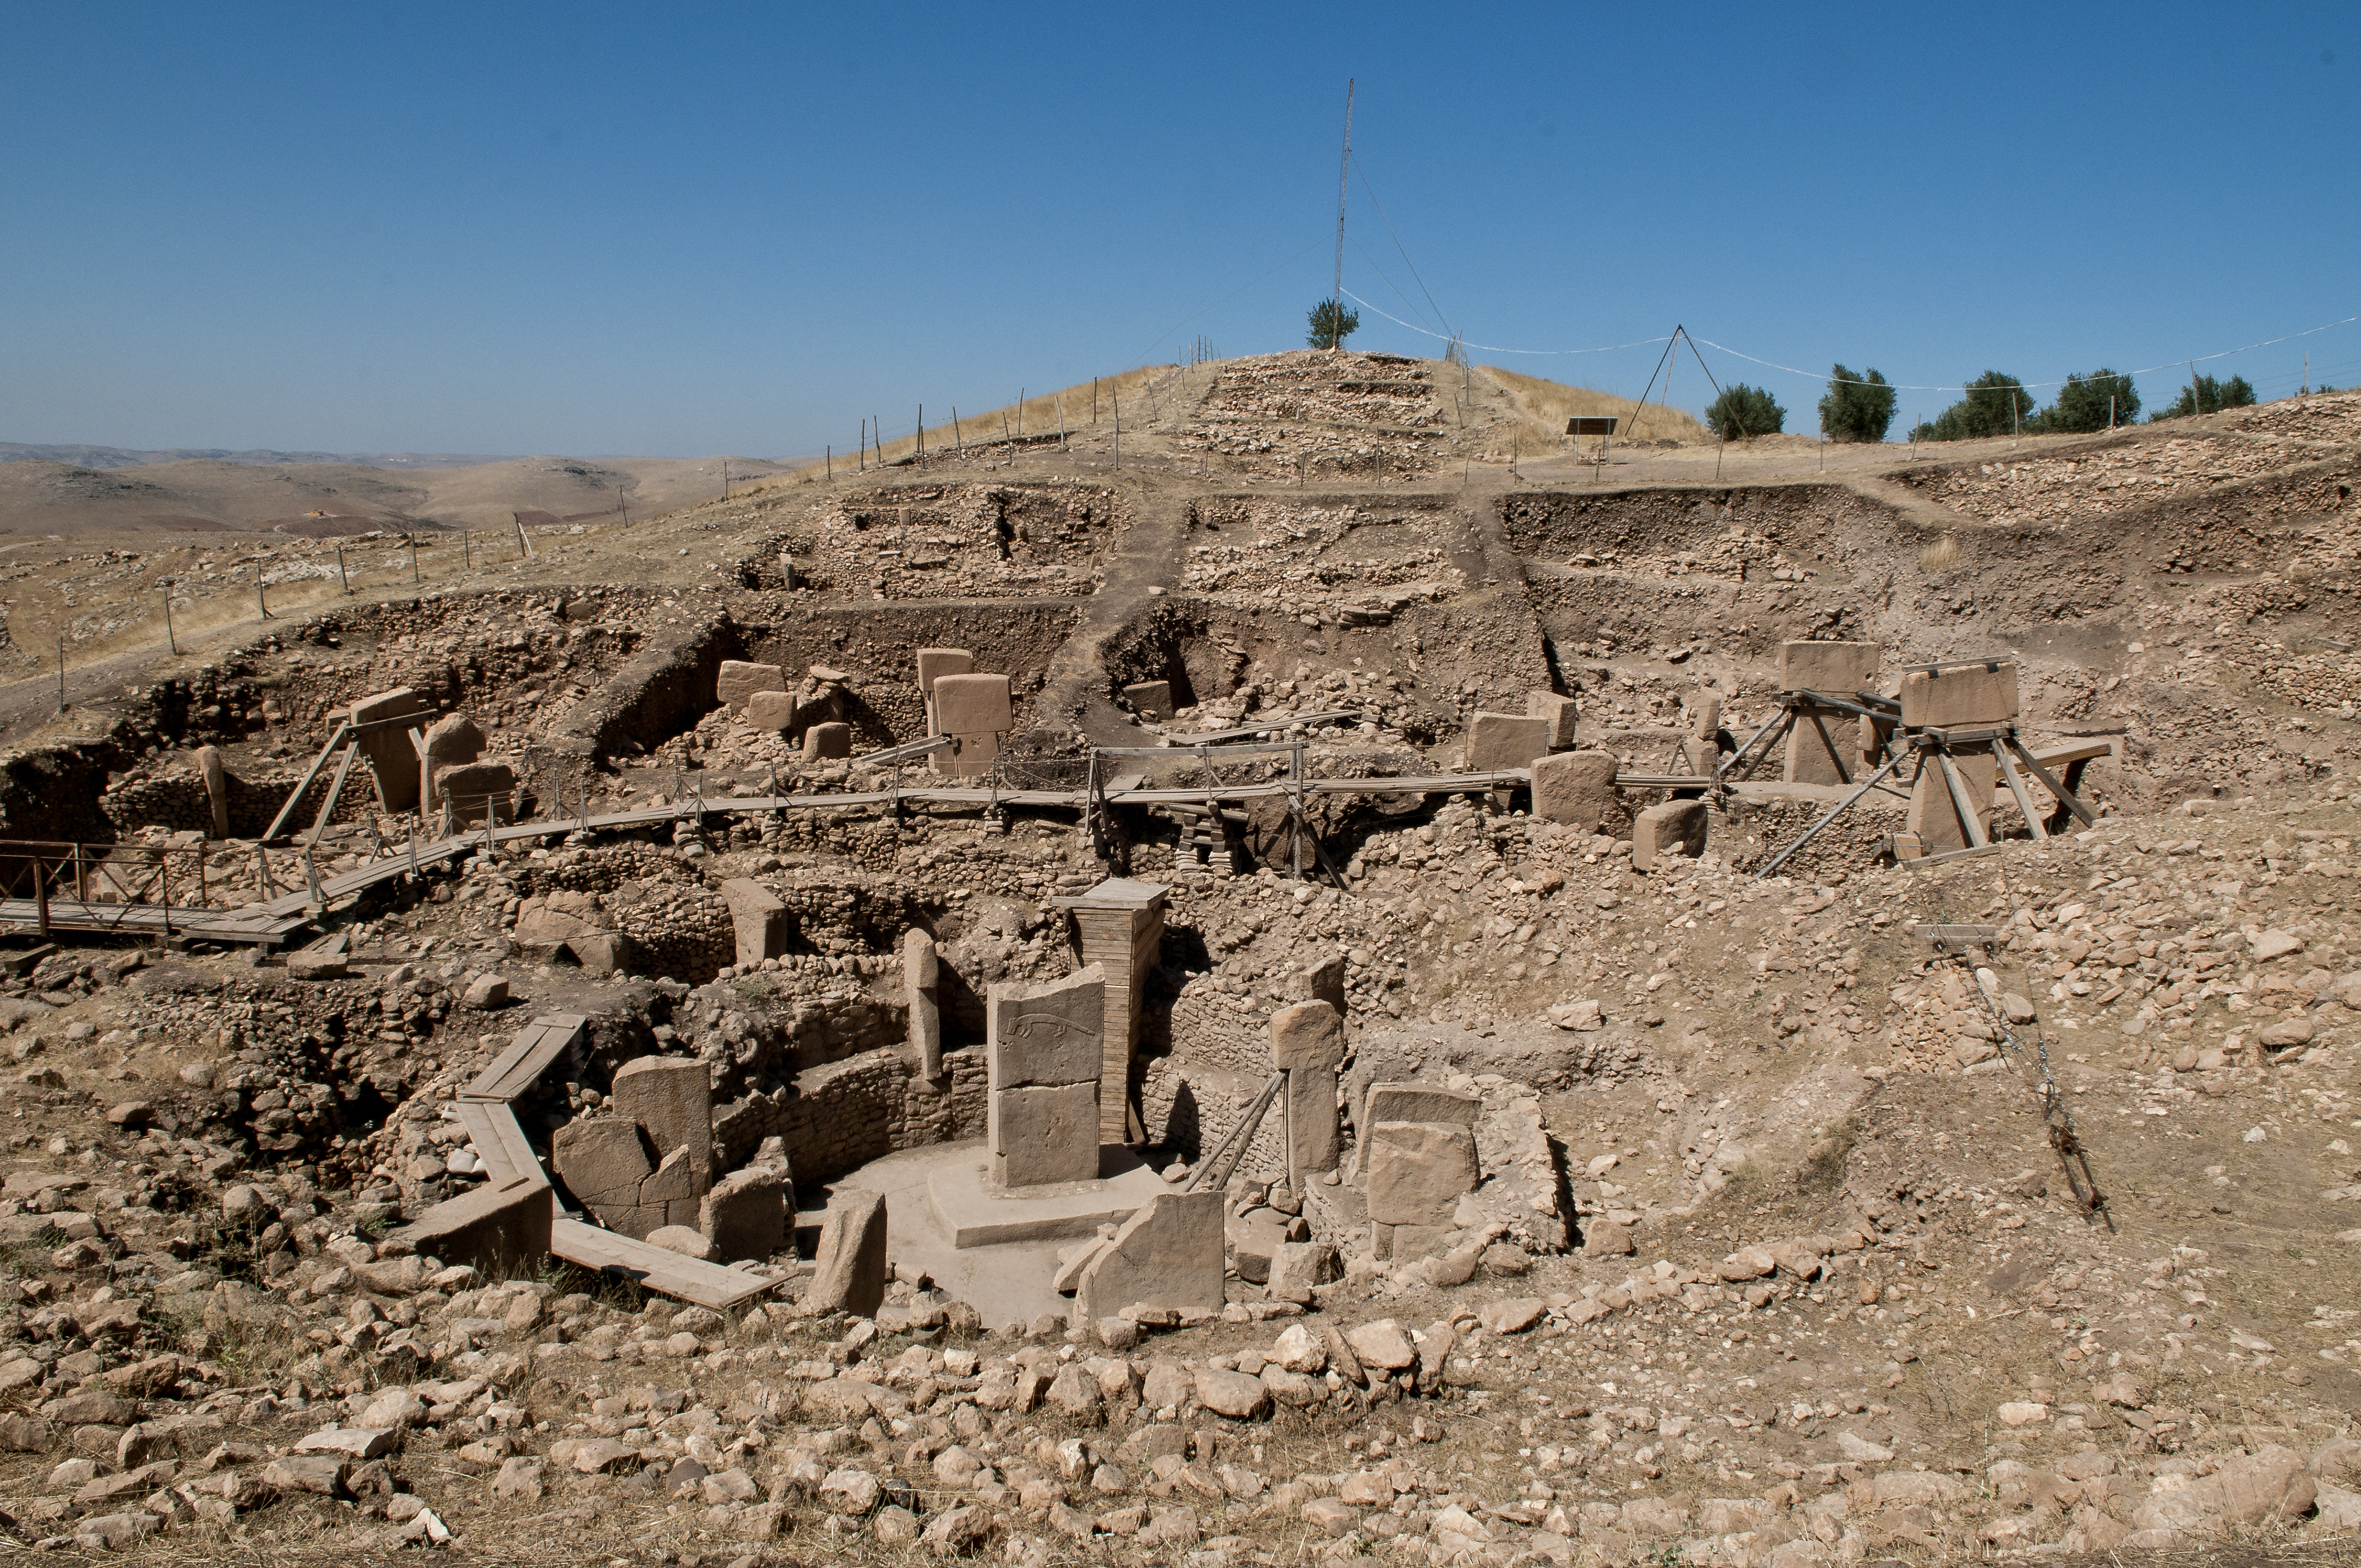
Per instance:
x=2016, y=789
x=1971, y=821
x=287, y=808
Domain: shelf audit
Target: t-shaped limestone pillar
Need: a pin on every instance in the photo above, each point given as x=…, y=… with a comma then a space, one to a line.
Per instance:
x=921, y=973
x=763, y=922
x=1041, y=1045
x=672, y=1098
x=1307, y=1042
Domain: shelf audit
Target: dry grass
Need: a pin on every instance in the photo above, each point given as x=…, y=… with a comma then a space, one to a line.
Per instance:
x=1544, y=407
x=1940, y=555
x=1036, y=415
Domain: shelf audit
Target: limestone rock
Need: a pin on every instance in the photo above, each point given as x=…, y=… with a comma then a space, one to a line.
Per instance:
x=850, y=1263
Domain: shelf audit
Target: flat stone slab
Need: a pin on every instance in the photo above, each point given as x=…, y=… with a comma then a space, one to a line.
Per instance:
x=973, y=1212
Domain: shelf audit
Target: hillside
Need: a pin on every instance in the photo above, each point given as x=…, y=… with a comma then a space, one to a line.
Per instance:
x=39, y=496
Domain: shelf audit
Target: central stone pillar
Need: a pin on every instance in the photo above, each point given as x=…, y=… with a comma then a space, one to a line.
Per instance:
x=1041, y=1045
x=1120, y=924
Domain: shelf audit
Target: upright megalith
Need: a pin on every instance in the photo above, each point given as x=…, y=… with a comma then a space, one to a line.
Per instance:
x=737, y=680
x=1822, y=740
x=762, y=923
x=381, y=726
x=1418, y=1173
x=1558, y=711
x=933, y=664
x=849, y=1265
x=452, y=740
x=216, y=773
x=1042, y=1052
x=672, y=1097
x=1168, y=1255
x=1673, y=828
x=744, y=1215
x=1576, y=789
x=921, y=977
x=1506, y=740
x=975, y=711
x=1419, y=1158
x=1307, y=1042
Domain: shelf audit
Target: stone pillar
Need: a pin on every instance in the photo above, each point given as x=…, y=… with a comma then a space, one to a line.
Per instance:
x=1169, y=1254
x=763, y=922
x=1820, y=744
x=772, y=710
x=1953, y=696
x=934, y=663
x=1700, y=746
x=1307, y=1042
x=1120, y=927
x=1934, y=815
x=1041, y=1045
x=1575, y=788
x=1560, y=713
x=452, y=741
x=1677, y=827
x=921, y=973
x=737, y=680
x=1150, y=699
x=392, y=760
x=1505, y=740
x=216, y=777
x=849, y=1266
x=825, y=742
x=975, y=711
x=672, y=1098
x=1322, y=980
x=475, y=788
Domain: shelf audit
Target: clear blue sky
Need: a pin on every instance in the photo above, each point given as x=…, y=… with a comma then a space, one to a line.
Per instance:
x=687, y=230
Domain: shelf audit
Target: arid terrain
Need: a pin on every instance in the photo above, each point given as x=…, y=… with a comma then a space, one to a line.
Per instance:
x=1790, y=1237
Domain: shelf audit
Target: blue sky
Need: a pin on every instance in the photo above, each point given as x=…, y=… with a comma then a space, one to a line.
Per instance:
x=680, y=230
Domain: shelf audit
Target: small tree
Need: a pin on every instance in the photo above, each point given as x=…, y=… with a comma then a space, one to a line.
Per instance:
x=2211, y=397
x=1858, y=408
x=1742, y=410
x=1332, y=324
x=2087, y=403
x=1995, y=405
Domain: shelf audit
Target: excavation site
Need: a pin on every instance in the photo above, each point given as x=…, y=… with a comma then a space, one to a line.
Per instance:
x=1297, y=967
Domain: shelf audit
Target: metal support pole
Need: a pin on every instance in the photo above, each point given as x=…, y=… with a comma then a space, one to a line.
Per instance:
x=41, y=892
x=1833, y=812
x=1971, y=822
x=1731, y=761
x=2016, y=788
x=2066, y=797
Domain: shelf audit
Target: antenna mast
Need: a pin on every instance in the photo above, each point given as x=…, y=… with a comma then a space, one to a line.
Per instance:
x=1343, y=175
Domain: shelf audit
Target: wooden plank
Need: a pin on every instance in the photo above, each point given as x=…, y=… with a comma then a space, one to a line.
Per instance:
x=536, y=1046
x=2076, y=751
x=344, y=727
x=328, y=806
x=2016, y=788
x=499, y=1143
x=1971, y=824
x=685, y=1279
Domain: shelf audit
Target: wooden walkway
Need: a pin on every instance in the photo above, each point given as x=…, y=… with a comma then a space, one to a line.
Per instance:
x=516, y=1199
x=272, y=920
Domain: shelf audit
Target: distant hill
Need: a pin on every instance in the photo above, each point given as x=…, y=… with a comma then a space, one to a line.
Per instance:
x=47, y=495
x=128, y=458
